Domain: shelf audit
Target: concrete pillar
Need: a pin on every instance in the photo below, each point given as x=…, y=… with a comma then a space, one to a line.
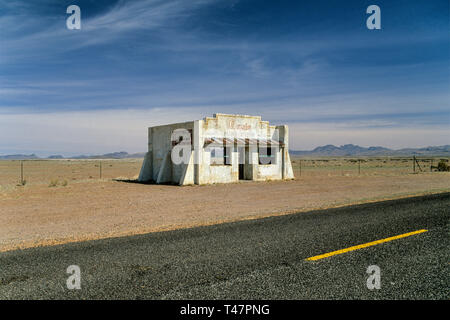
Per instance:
x=287, y=172
x=198, y=150
x=251, y=162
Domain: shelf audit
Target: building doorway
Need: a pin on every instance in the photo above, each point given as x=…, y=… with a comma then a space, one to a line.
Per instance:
x=241, y=171
x=241, y=151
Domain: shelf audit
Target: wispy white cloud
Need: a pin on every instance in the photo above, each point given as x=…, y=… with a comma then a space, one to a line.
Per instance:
x=23, y=34
x=146, y=14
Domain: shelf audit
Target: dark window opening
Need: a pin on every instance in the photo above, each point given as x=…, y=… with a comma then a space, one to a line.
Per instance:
x=221, y=156
x=265, y=155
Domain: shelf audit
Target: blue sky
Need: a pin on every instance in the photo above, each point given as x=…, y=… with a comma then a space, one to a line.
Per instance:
x=310, y=64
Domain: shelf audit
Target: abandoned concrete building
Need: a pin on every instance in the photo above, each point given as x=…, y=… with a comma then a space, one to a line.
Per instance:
x=220, y=149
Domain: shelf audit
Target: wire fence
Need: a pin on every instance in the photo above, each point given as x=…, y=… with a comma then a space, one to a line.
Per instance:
x=304, y=167
x=54, y=172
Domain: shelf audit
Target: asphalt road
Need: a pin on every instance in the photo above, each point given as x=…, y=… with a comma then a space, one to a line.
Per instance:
x=259, y=259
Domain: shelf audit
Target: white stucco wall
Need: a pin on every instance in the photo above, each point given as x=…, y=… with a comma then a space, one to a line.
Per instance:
x=199, y=169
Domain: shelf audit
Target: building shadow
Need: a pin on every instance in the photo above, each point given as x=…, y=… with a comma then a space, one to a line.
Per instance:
x=145, y=182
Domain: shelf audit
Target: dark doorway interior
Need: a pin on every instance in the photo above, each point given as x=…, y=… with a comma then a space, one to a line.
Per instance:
x=241, y=163
x=241, y=171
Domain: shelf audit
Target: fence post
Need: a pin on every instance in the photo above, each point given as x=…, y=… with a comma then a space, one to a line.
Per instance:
x=300, y=168
x=21, y=172
x=359, y=166
x=100, y=169
x=414, y=164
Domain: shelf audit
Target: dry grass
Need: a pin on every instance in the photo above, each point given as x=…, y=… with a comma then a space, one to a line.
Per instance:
x=43, y=171
x=385, y=166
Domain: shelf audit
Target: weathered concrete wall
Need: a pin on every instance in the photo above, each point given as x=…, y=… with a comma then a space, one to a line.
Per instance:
x=187, y=176
x=165, y=170
x=270, y=171
x=159, y=147
x=220, y=174
x=287, y=172
x=146, y=171
x=239, y=126
x=212, y=173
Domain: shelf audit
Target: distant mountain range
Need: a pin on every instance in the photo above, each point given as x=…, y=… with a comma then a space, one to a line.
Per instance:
x=113, y=155
x=348, y=150
x=19, y=157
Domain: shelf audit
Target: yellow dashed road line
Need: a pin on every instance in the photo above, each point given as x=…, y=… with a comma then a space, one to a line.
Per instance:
x=365, y=245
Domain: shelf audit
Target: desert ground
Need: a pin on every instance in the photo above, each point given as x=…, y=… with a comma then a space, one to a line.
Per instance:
x=75, y=200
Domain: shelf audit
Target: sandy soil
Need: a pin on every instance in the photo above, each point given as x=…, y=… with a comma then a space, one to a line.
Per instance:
x=42, y=215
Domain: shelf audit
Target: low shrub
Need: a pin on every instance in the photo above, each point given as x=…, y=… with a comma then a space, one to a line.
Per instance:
x=443, y=166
